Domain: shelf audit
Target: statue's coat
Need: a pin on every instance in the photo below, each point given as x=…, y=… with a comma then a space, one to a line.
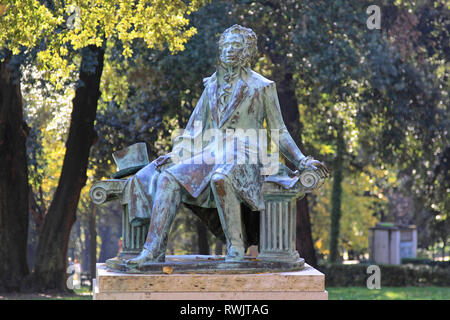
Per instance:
x=254, y=99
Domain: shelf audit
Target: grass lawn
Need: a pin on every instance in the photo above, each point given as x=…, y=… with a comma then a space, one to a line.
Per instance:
x=334, y=293
x=389, y=293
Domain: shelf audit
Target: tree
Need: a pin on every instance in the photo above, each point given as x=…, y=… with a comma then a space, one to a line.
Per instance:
x=153, y=21
x=13, y=178
x=51, y=256
x=152, y=94
x=326, y=64
x=336, y=198
x=343, y=70
x=408, y=103
x=361, y=198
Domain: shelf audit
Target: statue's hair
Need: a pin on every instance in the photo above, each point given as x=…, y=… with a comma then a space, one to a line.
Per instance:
x=250, y=42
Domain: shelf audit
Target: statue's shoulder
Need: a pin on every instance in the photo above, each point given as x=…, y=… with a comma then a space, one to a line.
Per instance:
x=253, y=79
x=258, y=81
x=209, y=79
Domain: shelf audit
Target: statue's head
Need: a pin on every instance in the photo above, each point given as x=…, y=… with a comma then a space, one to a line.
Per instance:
x=237, y=46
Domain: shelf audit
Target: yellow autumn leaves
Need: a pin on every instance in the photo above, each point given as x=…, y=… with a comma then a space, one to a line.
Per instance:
x=80, y=23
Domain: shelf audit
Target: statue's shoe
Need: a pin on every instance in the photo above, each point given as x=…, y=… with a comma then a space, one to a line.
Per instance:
x=145, y=256
x=235, y=253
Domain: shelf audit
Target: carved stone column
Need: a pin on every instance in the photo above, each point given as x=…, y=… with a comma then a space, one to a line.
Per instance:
x=133, y=237
x=277, y=224
x=278, y=219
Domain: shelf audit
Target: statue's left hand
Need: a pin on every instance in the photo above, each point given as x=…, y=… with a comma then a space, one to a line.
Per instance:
x=315, y=165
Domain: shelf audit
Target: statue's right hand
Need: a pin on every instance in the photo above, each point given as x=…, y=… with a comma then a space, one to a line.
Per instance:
x=162, y=160
x=319, y=167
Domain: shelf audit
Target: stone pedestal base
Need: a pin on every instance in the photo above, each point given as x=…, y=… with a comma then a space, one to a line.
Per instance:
x=207, y=264
x=306, y=284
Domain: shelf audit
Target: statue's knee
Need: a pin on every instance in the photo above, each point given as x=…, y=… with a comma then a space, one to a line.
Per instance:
x=218, y=181
x=167, y=181
x=140, y=175
x=144, y=174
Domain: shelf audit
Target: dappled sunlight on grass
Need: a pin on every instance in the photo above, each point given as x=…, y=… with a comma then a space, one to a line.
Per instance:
x=389, y=293
x=394, y=295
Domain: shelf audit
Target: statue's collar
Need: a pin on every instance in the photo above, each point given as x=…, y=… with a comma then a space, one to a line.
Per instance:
x=243, y=75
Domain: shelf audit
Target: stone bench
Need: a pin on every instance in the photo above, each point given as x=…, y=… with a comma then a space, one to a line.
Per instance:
x=277, y=222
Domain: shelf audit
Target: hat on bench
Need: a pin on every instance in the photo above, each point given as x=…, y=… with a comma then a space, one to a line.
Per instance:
x=130, y=160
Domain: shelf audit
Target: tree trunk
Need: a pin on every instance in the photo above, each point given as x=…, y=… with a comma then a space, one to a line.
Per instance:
x=202, y=232
x=108, y=248
x=93, y=241
x=84, y=245
x=433, y=251
x=50, y=267
x=336, y=200
x=13, y=180
x=291, y=116
x=305, y=244
x=443, y=249
x=219, y=247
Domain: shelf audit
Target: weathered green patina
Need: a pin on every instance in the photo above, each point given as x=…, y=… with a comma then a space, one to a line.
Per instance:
x=219, y=168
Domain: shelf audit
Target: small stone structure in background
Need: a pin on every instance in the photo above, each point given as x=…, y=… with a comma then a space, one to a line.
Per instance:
x=389, y=243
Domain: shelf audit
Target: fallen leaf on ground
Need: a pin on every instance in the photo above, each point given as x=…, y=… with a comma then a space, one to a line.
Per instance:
x=167, y=270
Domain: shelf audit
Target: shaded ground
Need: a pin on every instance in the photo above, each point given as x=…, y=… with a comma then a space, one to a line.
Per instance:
x=334, y=293
x=80, y=294
x=389, y=293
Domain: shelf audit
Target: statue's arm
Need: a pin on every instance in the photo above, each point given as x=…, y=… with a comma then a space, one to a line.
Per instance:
x=274, y=119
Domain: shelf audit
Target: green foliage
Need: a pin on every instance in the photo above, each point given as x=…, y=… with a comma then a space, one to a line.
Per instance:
x=384, y=94
x=385, y=91
x=416, y=261
x=425, y=261
x=355, y=275
x=359, y=202
x=348, y=79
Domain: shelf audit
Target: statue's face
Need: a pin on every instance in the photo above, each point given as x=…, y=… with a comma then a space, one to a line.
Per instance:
x=232, y=49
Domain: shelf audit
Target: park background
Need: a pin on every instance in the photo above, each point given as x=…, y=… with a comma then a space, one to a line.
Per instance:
x=82, y=79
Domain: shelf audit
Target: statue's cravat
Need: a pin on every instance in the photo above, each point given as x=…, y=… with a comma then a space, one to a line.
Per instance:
x=225, y=92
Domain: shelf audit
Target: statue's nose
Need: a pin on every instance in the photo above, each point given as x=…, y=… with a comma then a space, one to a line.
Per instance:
x=230, y=50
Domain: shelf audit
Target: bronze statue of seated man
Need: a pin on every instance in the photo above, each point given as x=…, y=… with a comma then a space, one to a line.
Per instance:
x=214, y=170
